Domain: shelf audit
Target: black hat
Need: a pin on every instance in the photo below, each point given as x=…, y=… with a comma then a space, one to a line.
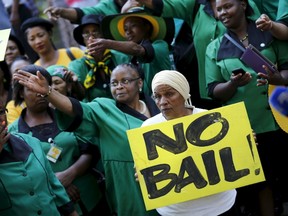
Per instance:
x=86, y=20
x=18, y=43
x=113, y=25
x=36, y=21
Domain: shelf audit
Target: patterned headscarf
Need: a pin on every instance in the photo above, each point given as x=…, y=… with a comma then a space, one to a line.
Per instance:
x=176, y=80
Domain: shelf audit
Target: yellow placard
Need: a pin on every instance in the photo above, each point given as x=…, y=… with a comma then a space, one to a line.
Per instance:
x=4, y=36
x=195, y=156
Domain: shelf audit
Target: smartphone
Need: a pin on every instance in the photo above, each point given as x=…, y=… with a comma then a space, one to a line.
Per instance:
x=238, y=70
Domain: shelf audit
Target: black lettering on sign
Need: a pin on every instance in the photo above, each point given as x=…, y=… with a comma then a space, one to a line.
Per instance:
x=194, y=175
x=197, y=127
x=157, y=138
x=151, y=180
x=231, y=174
x=257, y=171
x=188, y=165
x=189, y=172
x=211, y=167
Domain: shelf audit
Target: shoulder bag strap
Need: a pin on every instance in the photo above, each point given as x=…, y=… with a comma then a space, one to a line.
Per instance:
x=70, y=54
x=234, y=42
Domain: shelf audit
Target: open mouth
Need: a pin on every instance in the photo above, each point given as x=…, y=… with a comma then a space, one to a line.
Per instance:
x=225, y=20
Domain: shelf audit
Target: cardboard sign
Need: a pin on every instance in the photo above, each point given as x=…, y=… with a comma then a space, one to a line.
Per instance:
x=4, y=36
x=195, y=156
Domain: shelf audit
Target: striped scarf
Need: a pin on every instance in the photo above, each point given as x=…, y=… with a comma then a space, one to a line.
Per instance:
x=96, y=66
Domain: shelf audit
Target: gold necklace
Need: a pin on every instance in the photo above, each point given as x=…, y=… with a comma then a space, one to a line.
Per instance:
x=244, y=38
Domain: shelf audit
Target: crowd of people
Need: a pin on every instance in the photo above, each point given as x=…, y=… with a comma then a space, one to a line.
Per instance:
x=64, y=111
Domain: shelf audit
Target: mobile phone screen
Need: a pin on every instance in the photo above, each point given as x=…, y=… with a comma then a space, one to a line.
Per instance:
x=238, y=70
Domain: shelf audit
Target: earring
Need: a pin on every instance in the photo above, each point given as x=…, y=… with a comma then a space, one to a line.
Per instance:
x=140, y=89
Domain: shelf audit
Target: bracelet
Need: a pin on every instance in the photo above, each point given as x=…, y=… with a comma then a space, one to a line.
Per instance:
x=49, y=92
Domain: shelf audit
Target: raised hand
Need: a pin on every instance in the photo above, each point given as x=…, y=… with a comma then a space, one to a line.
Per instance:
x=4, y=136
x=147, y=3
x=97, y=45
x=53, y=13
x=70, y=76
x=271, y=78
x=264, y=23
x=35, y=83
x=130, y=4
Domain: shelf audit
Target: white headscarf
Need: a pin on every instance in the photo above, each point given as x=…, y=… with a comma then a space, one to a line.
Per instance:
x=176, y=80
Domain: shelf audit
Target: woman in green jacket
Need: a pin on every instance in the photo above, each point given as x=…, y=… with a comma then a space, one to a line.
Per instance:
x=69, y=158
x=198, y=14
x=27, y=183
x=104, y=121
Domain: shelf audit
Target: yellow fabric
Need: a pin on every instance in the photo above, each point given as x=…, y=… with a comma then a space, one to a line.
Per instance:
x=280, y=119
x=14, y=112
x=63, y=58
x=91, y=76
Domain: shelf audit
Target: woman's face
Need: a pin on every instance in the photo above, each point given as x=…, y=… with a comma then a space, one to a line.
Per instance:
x=12, y=51
x=125, y=84
x=136, y=29
x=34, y=102
x=170, y=102
x=90, y=31
x=231, y=12
x=39, y=39
x=59, y=85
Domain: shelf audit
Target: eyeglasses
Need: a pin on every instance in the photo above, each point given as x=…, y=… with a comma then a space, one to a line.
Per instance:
x=3, y=112
x=123, y=82
x=93, y=34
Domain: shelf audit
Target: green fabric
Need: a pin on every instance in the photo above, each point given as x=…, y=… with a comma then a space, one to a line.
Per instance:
x=202, y=37
x=39, y=179
x=57, y=70
x=87, y=184
x=102, y=120
x=160, y=62
x=276, y=9
x=282, y=13
x=104, y=7
x=183, y=9
x=269, y=7
x=79, y=67
x=254, y=97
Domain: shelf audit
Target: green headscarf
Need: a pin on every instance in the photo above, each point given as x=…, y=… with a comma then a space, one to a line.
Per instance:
x=57, y=70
